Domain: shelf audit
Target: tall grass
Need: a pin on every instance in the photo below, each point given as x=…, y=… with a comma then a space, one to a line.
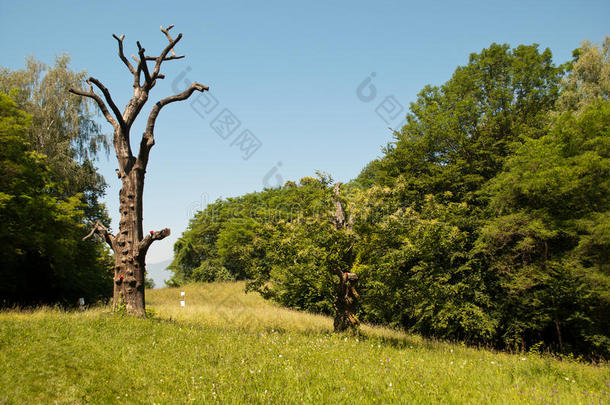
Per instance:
x=228, y=347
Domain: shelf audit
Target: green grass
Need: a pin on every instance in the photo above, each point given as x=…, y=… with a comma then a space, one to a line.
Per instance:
x=229, y=347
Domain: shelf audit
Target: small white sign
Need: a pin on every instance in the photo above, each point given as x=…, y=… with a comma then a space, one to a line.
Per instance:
x=182, y=293
x=182, y=303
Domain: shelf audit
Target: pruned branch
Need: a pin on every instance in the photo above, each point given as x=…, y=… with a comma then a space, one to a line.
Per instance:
x=102, y=231
x=148, y=139
x=339, y=213
x=149, y=239
x=122, y=55
x=171, y=99
x=169, y=37
x=163, y=55
x=121, y=143
x=144, y=66
x=109, y=100
x=174, y=57
x=136, y=75
x=100, y=103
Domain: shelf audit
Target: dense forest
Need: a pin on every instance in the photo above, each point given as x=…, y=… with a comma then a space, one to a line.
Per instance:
x=485, y=220
x=49, y=189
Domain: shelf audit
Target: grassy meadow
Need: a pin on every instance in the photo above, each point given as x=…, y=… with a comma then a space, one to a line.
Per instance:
x=228, y=347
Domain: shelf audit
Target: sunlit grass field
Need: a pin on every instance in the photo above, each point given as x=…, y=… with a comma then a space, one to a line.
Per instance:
x=225, y=346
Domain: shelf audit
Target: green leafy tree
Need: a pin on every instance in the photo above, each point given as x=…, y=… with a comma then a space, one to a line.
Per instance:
x=588, y=79
x=425, y=202
x=458, y=134
x=43, y=257
x=228, y=239
x=415, y=269
x=308, y=261
x=63, y=128
x=548, y=240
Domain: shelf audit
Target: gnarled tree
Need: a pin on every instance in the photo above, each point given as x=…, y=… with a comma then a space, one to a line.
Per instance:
x=347, y=296
x=130, y=245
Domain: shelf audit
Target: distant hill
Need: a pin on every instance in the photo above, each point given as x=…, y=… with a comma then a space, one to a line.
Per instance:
x=159, y=273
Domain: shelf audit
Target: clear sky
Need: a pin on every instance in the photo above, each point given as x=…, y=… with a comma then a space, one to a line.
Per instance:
x=287, y=71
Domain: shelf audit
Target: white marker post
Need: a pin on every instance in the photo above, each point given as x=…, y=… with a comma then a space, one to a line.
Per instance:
x=182, y=301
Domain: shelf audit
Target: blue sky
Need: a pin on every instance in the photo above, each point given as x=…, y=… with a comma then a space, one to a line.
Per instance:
x=288, y=71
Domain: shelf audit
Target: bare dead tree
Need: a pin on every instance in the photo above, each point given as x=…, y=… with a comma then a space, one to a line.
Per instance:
x=130, y=245
x=347, y=296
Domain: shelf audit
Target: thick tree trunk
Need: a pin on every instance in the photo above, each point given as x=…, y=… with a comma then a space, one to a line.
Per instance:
x=345, y=306
x=130, y=266
x=347, y=296
x=130, y=245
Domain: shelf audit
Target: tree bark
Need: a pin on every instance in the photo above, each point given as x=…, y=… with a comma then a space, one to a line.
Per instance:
x=130, y=245
x=130, y=265
x=345, y=306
